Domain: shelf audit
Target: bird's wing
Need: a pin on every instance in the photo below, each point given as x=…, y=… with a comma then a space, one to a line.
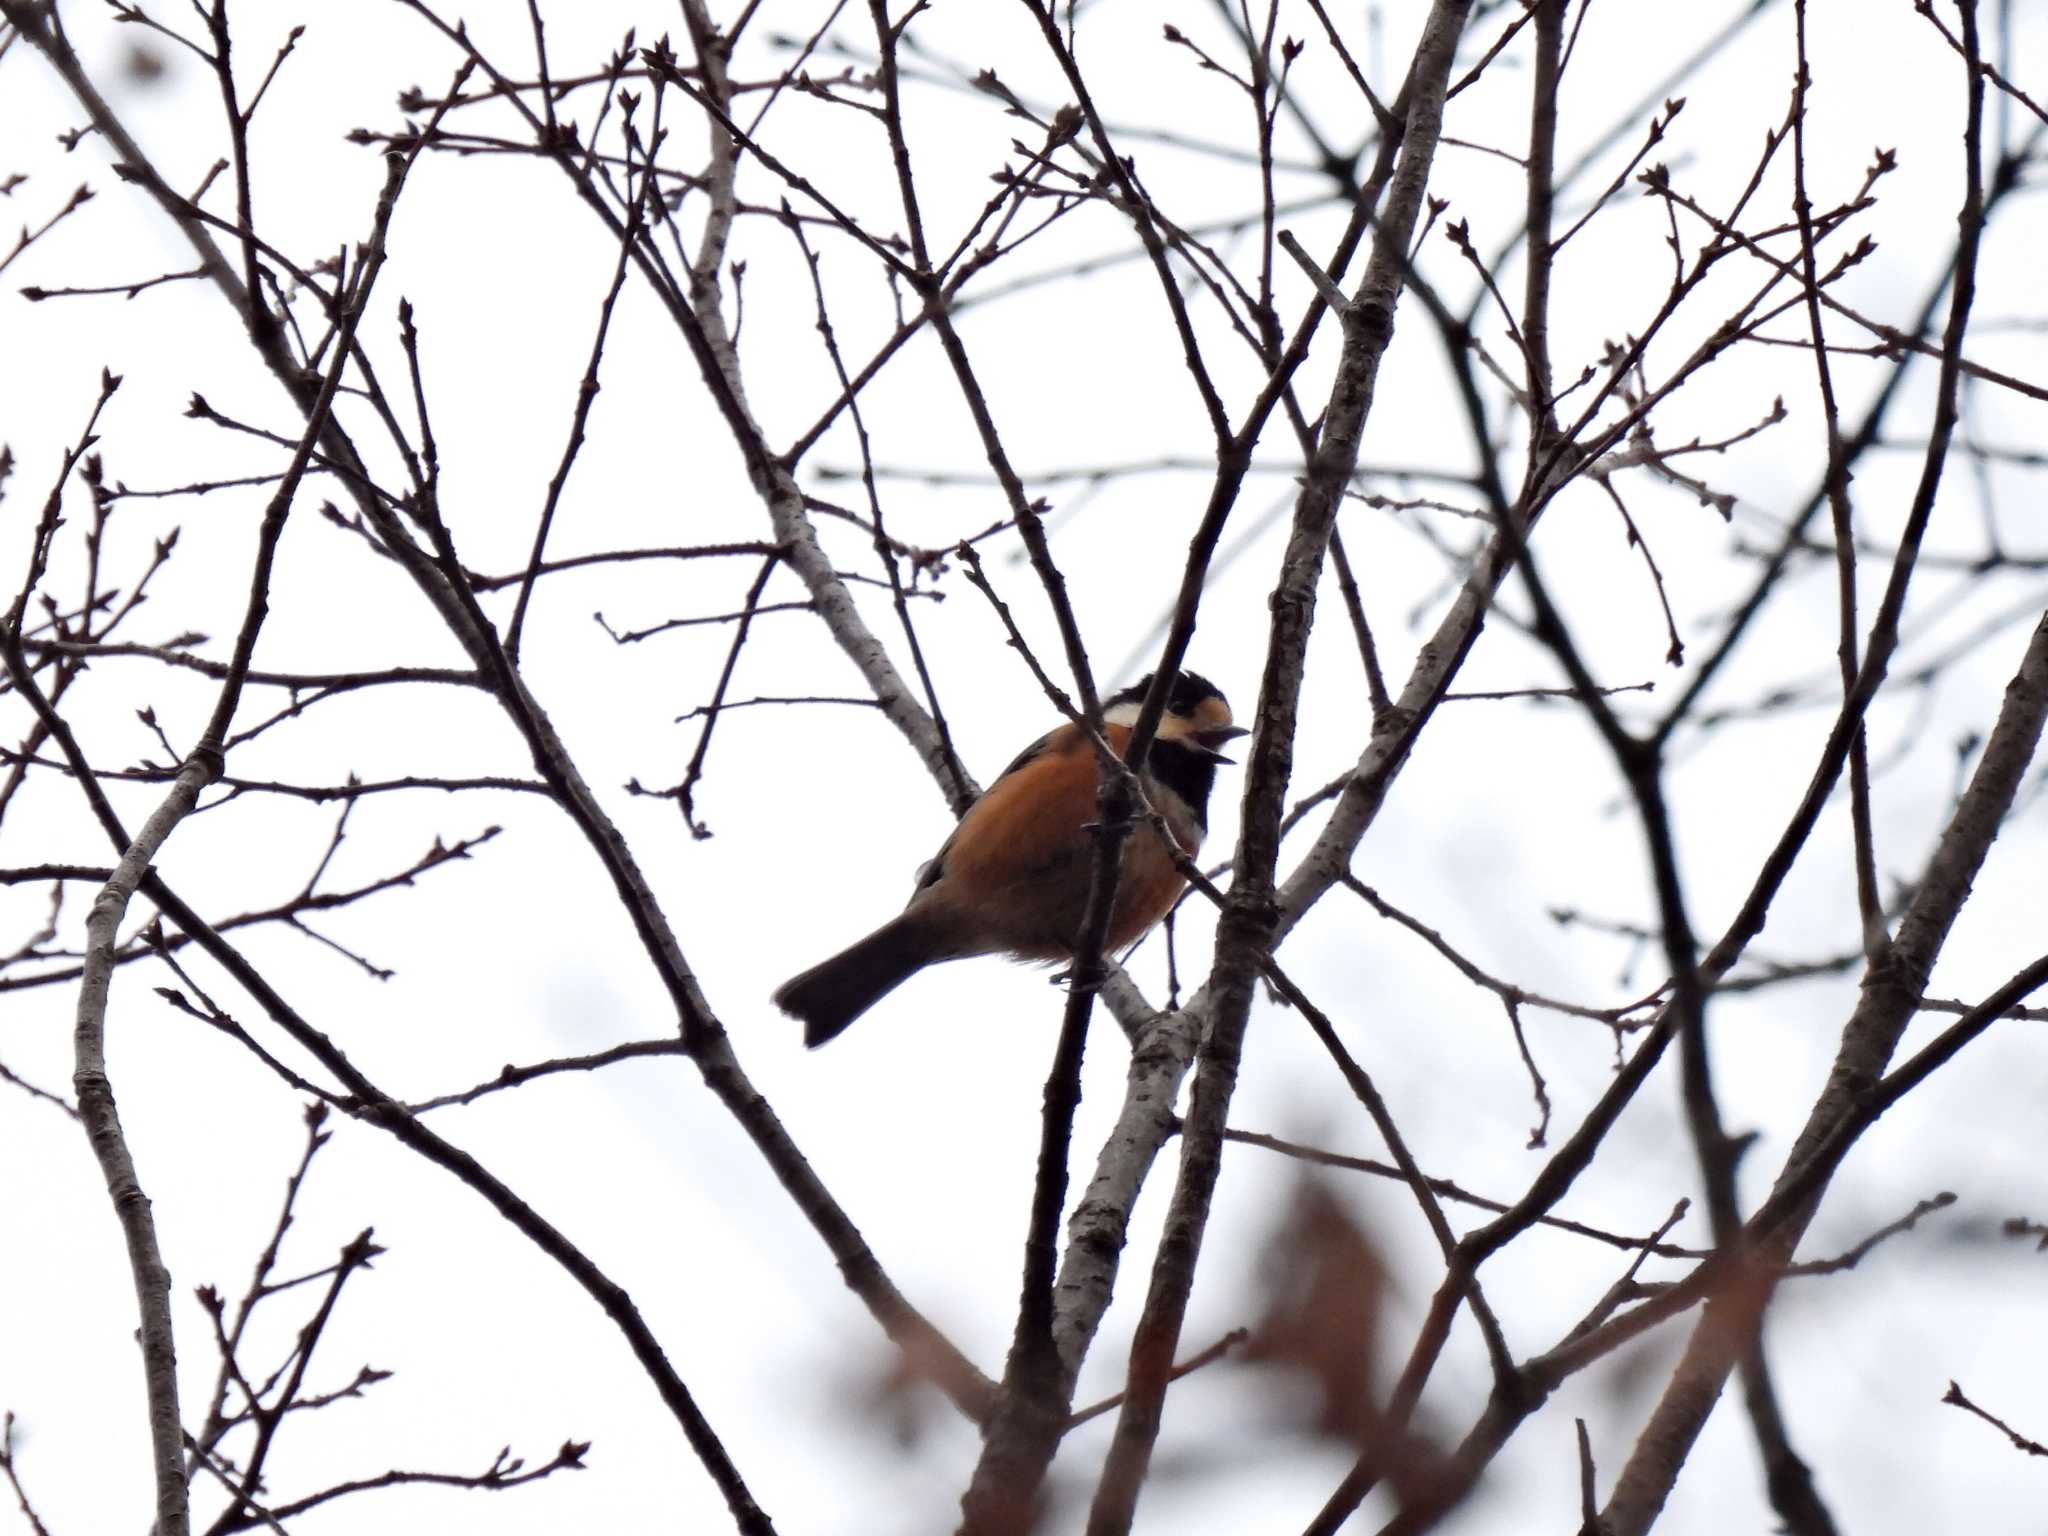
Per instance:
x=929, y=872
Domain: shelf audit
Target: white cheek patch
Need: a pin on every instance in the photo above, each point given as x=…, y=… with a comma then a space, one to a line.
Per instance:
x=1172, y=727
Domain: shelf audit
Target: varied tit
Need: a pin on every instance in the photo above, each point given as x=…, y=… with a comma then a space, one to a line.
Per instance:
x=1013, y=878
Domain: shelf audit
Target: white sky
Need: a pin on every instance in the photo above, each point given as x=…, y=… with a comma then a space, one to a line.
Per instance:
x=924, y=1119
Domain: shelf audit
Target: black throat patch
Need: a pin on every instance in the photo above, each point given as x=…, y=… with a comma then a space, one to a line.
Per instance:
x=1188, y=773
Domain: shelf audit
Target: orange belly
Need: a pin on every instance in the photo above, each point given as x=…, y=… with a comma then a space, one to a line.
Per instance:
x=1018, y=870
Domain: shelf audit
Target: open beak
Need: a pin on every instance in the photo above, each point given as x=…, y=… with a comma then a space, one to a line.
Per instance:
x=1210, y=740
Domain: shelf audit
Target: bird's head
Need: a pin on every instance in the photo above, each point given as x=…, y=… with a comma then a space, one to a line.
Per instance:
x=1197, y=717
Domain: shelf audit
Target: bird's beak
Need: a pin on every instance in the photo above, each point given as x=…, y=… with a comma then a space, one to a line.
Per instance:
x=1210, y=740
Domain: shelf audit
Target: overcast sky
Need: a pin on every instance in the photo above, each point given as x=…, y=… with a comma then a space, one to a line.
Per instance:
x=924, y=1119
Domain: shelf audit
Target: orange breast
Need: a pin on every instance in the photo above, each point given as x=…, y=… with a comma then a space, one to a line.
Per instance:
x=1017, y=871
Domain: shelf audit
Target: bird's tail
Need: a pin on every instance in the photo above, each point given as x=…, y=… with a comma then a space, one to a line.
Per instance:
x=835, y=992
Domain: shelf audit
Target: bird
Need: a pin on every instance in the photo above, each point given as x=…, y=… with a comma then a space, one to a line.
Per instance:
x=1014, y=876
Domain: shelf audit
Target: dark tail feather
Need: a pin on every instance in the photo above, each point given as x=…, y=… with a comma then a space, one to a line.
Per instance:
x=835, y=992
